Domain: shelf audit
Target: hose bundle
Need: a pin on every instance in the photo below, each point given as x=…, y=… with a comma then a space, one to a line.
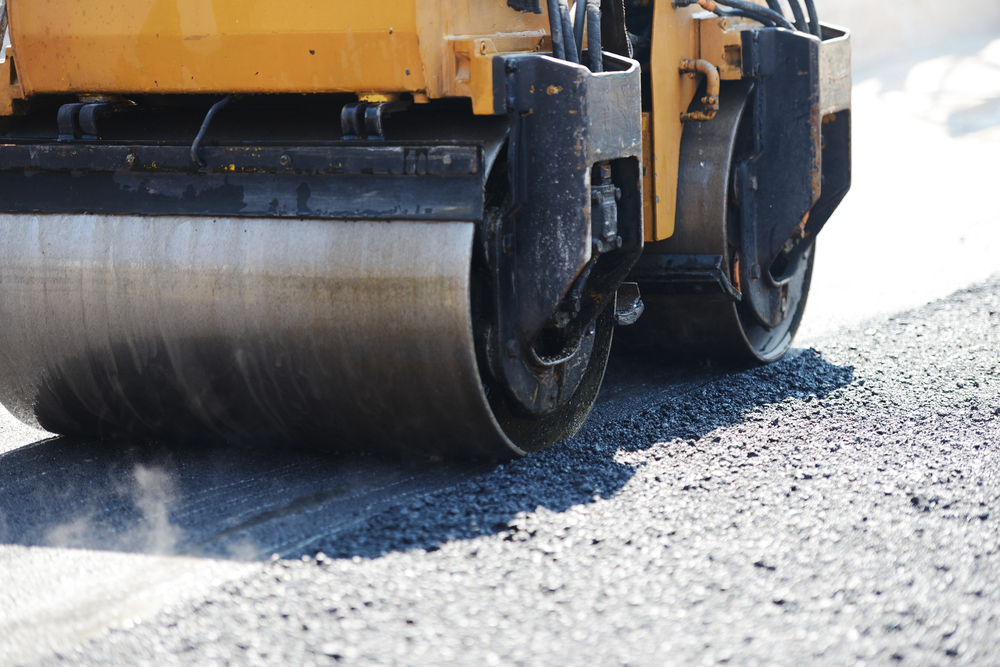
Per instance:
x=567, y=35
x=769, y=16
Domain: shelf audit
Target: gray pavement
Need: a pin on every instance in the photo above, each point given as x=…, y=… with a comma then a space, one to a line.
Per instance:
x=839, y=507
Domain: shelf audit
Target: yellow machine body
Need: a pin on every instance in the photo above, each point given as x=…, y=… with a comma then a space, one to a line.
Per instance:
x=260, y=46
x=429, y=48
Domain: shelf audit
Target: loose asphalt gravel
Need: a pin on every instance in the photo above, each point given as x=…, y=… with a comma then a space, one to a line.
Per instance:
x=839, y=507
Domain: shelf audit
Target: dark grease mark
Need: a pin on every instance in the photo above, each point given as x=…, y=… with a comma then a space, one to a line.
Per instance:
x=302, y=199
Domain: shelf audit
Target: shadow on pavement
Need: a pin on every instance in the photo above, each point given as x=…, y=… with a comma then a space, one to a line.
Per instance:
x=231, y=502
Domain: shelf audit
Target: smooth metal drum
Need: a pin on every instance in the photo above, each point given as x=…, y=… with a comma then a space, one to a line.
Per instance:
x=332, y=334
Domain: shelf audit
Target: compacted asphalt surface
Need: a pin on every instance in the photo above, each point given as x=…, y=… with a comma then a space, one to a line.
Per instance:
x=839, y=507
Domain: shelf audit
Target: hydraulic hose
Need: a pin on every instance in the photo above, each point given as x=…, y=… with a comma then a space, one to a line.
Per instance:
x=555, y=28
x=766, y=22
x=800, y=19
x=777, y=17
x=711, y=99
x=755, y=10
x=569, y=41
x=580, y=9
x=594, y=35
x=813, y=19
x=196, y=145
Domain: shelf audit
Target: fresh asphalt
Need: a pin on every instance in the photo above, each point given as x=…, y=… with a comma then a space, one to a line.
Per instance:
x=839, y=507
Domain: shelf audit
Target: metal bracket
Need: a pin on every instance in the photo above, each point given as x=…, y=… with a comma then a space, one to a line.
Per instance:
x=363, y=120
x=78, y=120
x=684, y=274
x=604, y=212
x=67, y=120
x=779, y=175
x=575, y=139
x=352, y=120
x=628, y=304
x=90, y=113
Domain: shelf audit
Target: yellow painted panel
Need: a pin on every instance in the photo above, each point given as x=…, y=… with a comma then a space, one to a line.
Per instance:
x=176, y=46
x=648, y=210
x=443, y=23
x=675, y=37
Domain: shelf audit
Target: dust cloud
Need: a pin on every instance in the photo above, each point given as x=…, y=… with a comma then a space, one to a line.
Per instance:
x=153, y=495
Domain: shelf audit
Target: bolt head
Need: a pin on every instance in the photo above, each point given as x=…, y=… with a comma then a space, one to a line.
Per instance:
x=130, y=159
x=285, y=160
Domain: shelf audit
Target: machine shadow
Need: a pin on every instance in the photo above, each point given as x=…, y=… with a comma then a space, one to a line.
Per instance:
x=231, y=502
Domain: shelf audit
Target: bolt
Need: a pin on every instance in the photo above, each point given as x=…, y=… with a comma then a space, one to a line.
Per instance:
x=130, y=159
x=508, y=243
x=605, y=171
x=753, y=184
x=285, y=160
x=755, y=271
x=511, y=67
x=512, y=349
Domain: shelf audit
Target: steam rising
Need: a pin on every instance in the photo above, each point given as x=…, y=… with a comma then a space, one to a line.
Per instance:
x=153, y=495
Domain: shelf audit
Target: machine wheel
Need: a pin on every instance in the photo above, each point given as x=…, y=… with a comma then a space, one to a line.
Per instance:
x=766, y=345
x=334, y=334
x=690, y=283
x=533, y=435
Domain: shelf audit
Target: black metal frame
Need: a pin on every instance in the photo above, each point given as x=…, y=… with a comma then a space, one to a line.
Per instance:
x=792, y=170
x=411, y=181
x=553, y=273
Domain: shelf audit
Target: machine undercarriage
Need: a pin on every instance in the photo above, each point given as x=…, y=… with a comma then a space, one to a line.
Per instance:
x=417, y=245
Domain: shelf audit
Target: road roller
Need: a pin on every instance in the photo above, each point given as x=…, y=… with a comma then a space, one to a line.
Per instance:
x=400, y=226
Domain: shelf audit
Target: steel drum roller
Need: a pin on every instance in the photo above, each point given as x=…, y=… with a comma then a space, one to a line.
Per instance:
x=332, y=334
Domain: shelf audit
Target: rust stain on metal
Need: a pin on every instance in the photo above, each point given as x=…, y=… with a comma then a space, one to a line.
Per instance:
x=711, y=99
x=736, y=272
